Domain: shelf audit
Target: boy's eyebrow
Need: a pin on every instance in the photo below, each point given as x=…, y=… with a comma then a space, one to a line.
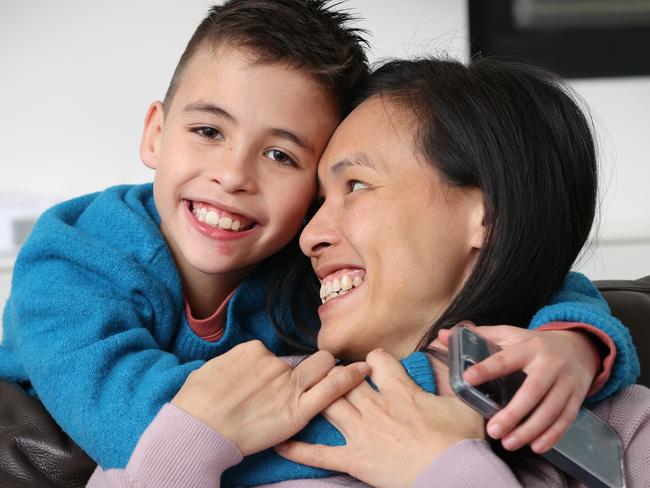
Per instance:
x=290, y=136
x=357, y=159
x=209, y=108
x=277, y=132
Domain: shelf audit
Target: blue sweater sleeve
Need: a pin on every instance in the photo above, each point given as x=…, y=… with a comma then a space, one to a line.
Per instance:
x=95, y=320
x=579, y=301
x=88, y=328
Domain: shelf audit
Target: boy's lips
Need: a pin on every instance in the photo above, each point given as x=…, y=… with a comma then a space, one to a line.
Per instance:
x=218, y=217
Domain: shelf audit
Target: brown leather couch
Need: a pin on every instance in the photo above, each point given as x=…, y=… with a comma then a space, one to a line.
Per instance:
x=35, y=453
x=629, y=300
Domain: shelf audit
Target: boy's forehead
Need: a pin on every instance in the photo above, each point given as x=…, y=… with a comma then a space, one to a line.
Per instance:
x=274, y=97
x=210, y=61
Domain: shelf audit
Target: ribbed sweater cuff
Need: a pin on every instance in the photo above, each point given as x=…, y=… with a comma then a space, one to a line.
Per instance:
x=470, y=464
x=178, y=450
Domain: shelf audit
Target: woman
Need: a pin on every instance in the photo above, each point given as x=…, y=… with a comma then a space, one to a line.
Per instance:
x=490, y=172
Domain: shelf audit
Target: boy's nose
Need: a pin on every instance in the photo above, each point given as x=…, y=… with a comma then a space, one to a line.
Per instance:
x=235, y=173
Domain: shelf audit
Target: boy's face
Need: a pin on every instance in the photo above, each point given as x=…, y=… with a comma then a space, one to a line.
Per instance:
x=235, y=156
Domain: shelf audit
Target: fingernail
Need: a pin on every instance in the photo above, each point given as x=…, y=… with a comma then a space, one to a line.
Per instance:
x=539, y=445
x=494, y=430
x=362, y=367
x=510, y=442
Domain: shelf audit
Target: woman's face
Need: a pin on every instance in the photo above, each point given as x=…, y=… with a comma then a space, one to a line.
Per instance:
x=391, y=244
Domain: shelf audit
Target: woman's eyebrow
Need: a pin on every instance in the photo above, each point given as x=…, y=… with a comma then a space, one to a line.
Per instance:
x=357, y=159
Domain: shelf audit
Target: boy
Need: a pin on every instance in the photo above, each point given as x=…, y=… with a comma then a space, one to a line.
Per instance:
x=118, y=296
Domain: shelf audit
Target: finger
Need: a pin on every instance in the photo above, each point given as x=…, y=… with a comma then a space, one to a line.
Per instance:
x=316, y=455
x=313, y=369
x=314, y=400
x=498, y=364
x=361, y=395
x=443, y=336
x=342, y=415
x=560, y=427
x=545, y=414
x=502, y=335
x=524, y=401
x=386, y=372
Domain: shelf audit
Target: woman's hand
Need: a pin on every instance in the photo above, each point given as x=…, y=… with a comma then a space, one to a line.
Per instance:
x=256, y=400
x=393, y=434
x=560, y=367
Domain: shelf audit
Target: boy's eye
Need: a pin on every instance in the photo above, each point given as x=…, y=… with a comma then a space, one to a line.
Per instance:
x=209, y=132
x=357, y=185
x=279, y=157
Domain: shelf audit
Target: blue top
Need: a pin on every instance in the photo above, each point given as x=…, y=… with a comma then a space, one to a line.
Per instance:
x=95, y=323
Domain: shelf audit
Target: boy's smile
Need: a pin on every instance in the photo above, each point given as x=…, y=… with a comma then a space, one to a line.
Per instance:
x=235, y=156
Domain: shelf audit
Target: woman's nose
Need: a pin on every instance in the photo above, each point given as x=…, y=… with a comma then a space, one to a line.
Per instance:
x=319, y=233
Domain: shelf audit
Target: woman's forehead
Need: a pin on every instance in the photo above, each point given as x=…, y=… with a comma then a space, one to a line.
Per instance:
x=372, y=136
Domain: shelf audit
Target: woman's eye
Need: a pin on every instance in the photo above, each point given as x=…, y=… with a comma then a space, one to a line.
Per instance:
x=357, y=185
x=279, y=157
x=209, y=132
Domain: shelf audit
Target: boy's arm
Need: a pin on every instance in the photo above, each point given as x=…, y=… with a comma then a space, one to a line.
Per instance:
x=89, y=328
x=580, y=303
x=560, y=364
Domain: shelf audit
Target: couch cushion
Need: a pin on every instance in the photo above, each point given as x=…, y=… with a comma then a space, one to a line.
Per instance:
x=34, y=451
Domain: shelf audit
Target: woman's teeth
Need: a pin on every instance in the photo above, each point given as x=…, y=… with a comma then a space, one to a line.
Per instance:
x=212, y=218
x=338, y=287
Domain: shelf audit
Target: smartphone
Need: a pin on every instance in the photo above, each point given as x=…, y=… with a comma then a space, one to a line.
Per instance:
x=591, y=450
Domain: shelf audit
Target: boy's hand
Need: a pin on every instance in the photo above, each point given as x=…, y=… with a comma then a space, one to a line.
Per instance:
x=256, y=400
x=560, y=367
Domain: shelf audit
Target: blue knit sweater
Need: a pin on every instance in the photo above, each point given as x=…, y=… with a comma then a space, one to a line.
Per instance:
x=95, y=322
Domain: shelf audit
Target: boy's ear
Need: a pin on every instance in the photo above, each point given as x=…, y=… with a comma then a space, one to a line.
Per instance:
x=477, y=219
x=152, y=134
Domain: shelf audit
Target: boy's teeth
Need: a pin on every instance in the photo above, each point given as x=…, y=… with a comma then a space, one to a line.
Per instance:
x=225, y=223
x=212, y=218
x=336, y=287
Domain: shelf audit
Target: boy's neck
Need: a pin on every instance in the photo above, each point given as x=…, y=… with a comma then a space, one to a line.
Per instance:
x=206, y=292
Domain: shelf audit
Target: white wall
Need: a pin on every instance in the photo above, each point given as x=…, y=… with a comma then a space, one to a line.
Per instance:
x=77, y=76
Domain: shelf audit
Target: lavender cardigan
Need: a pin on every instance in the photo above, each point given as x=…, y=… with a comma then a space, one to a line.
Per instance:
x=177, y=450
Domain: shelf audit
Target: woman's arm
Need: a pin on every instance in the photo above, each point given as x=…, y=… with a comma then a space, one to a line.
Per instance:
x=390, y=434
x=175, y=450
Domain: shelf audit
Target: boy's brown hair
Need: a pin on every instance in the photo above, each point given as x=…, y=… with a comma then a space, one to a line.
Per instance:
x=307, y=34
